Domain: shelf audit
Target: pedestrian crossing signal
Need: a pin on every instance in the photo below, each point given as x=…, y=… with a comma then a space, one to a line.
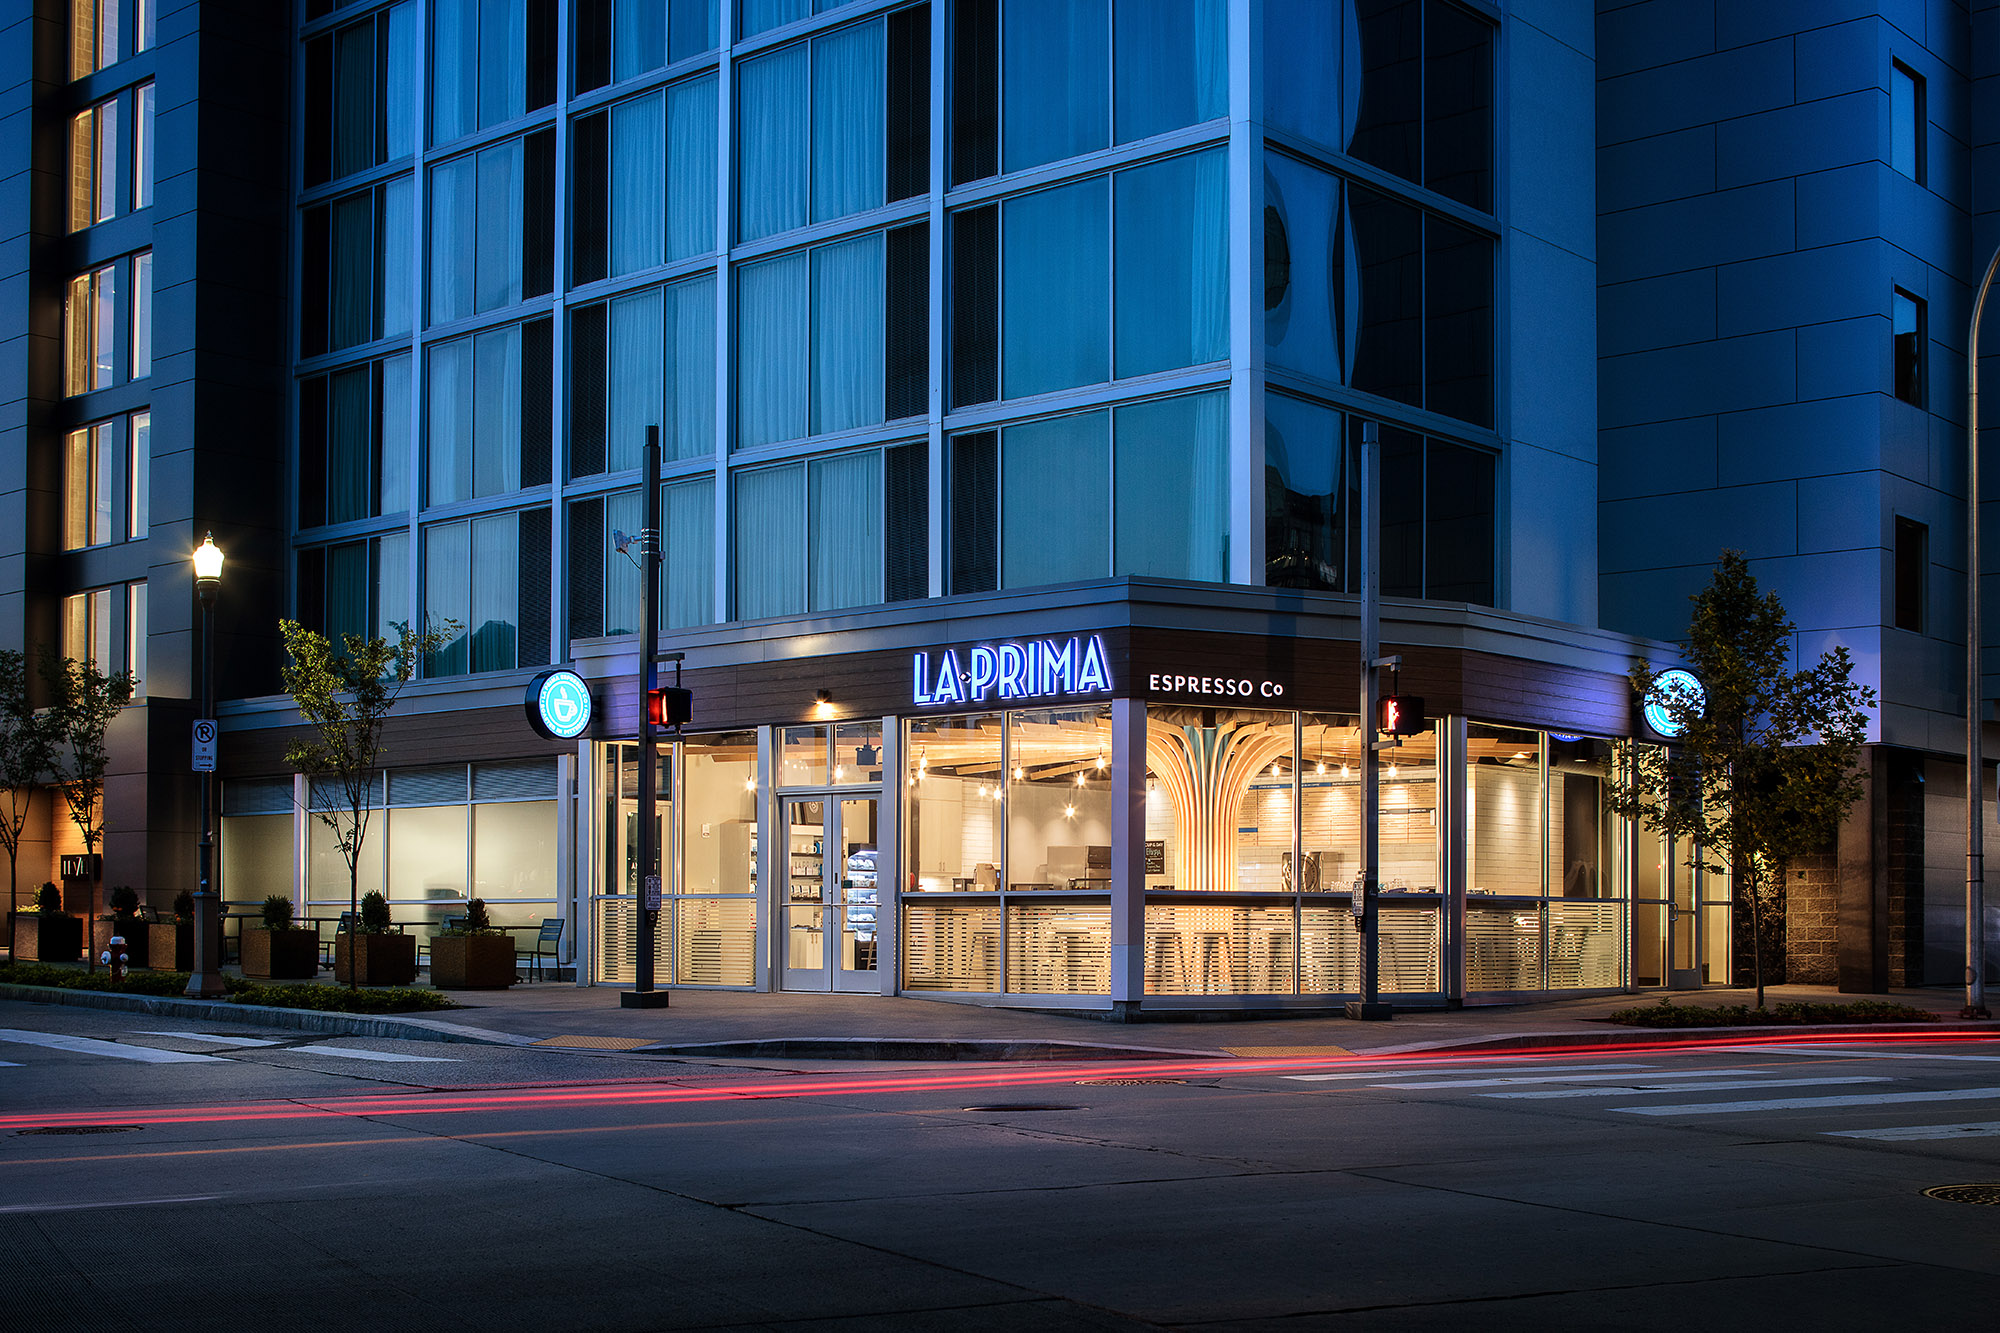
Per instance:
x=1400, y=715
x=670, y=707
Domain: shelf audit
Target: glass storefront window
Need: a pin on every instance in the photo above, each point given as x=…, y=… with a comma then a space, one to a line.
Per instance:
x=1219, y=798
x=1583, y=834
x=955, y=803
x=857, y=752
x=1059, y=802
x=514, y=851
x=1505, y=827
x=802, y=757
x=719, y=802
x=1329, y=802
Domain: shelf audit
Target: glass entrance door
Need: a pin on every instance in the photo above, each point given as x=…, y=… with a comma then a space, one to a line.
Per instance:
x=807, y=905
x=855, y=957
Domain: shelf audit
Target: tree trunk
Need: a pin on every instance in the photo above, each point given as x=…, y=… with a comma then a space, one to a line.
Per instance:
x=354, y=915
x=1754, y=899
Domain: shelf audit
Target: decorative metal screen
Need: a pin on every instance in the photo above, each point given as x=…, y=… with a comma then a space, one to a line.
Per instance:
x=1232, y=950
x=1586, y=945
x=952, y=946
x=1330, y=951
x=1059, y=948
x=715, y=941
x=1503, y=948
x=617, y=939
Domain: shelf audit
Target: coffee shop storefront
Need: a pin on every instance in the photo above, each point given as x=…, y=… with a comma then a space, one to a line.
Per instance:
x=1117, y=796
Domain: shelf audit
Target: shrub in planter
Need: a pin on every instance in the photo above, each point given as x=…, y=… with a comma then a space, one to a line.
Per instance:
x=475, y=956
x=277, y=950
x=47, y=934
x=372, y=954
x=124, y=922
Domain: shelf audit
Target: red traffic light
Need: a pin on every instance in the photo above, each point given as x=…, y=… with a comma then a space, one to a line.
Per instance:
x=1400, y=715
x=669, y=707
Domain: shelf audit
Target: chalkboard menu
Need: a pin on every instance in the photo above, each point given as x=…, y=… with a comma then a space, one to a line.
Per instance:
x=1156, y=856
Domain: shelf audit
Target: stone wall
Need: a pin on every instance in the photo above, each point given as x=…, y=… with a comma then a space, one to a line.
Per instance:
x=1811, y=913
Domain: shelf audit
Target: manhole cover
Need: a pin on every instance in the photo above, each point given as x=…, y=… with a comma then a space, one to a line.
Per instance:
x=1986, y=1194
x=80, y=1129
x=1125, y=1082
x=1025, y=1106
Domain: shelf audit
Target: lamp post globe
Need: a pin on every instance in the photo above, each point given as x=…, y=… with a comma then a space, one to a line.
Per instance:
x=205, y=981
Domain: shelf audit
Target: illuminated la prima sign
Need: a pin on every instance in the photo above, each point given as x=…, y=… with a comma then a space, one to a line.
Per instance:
x=1011, y=671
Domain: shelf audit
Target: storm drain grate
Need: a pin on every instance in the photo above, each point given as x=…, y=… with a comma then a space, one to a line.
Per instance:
x=1127, y=1082
x=80, y=1129
x=1985, y=1194
x=1025, y=1106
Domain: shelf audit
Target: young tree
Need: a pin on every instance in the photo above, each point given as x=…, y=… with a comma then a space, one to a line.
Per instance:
x=344, y=694
x=1763, y=770
x=26, y=751
x=85, y=701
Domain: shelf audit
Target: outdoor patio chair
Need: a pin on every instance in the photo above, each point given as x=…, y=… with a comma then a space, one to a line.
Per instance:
x=546, y=942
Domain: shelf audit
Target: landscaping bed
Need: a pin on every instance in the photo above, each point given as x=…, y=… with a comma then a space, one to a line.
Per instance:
x=304, y=995
x=1667, y=1014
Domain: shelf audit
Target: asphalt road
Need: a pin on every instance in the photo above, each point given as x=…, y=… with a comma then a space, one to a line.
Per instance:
x=161, y=1174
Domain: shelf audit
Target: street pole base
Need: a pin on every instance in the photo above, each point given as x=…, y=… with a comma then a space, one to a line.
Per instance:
x=1975, y=1011
x=204, y=986
x=1370, y=1011
x=643, y=999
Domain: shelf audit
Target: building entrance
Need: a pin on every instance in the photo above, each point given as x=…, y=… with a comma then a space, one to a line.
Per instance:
x=827, y=882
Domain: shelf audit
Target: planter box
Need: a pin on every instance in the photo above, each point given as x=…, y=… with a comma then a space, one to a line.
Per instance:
x=137, y=947
x=380, y=960
x=280, y=955
x=472, y=962
x=47, y=939
x=171, y=945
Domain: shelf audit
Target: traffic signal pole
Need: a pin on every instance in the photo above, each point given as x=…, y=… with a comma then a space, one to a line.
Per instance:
x=642, y=995
x=1366, y=905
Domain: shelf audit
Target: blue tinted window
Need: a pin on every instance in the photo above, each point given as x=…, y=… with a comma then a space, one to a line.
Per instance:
x=1054, y=276
x=1172, y=469
x=1054, y=495
x=1172, y=243
x=1172, y=65
x=1055, y=63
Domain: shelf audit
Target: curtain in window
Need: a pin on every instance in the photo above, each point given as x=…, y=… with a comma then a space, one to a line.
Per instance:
x=142, y=146
x=141, y=506
x=454, y=214
x=690, y=429
x=687, y=582
x=1173, y=264
x=497, y=267
x=693, y=26
x=691, y=129
x=622, y=578
x=455, y=68
x=394, y=451
x=635, y=378
x=768, y=546
x=399, y=82
x=142, y=315
x=353, y=270
x=1055, y=288
x=844, y=530
x=764, y=15
x=346, y=590
x=847, y=334
x=772, y=108
x=449, y=476
x=638, y=36
x=350, y=409
x=1054, y=531
x=447, y=554
x=496, y=406
x=399, y=202
x=496, y=591
x=1302, y=66
x=849, y=121
x=771, y=344
x=1171, y=516
x=503, y=60
x=1055, y=60
x=354, y=98
x=78, y=486
x=392, y=584
x=104, y=315
x=638, y=183
x=1172, y=65
x=103, y=482
x=135, y=637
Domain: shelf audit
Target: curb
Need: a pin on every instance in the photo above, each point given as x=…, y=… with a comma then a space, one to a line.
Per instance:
x=1621, y=1036
x=297, y=1020
x=919, y=1048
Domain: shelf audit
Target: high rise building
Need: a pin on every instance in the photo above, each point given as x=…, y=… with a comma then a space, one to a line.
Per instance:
x=1010, y=361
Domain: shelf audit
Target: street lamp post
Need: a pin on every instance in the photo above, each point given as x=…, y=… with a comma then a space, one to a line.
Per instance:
x=1975, y=765
x=206, y=981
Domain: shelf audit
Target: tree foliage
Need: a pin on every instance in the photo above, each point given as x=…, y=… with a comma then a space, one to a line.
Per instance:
x=84, y=701
x=345, y=695
x=1764, y=769
x=27, y=750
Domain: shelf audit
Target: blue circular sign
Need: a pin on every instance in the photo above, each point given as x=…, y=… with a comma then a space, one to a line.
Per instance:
x=559, y=705
x=1672, y=687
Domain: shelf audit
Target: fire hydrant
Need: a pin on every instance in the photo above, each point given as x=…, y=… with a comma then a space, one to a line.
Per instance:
x=114, y=958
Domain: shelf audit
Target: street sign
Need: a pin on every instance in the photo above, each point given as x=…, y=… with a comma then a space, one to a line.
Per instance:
x=204, y=745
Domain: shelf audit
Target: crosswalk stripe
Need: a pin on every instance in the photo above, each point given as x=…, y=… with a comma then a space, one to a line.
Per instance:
x=1870, y=1052
x=385, y=1057
x=91, y=1046
x=1975, y=1129
x=212, y=1038
x=8, y=1064
x=1413, y=1073
x=1815, y=1103
x=1640, y=1087
x=1573, y=1078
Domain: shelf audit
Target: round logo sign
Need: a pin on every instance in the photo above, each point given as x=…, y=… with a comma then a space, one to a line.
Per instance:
x=559, y=704
x=1672, y=687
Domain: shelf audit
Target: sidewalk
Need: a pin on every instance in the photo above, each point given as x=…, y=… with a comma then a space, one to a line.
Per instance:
x=873, y=1027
